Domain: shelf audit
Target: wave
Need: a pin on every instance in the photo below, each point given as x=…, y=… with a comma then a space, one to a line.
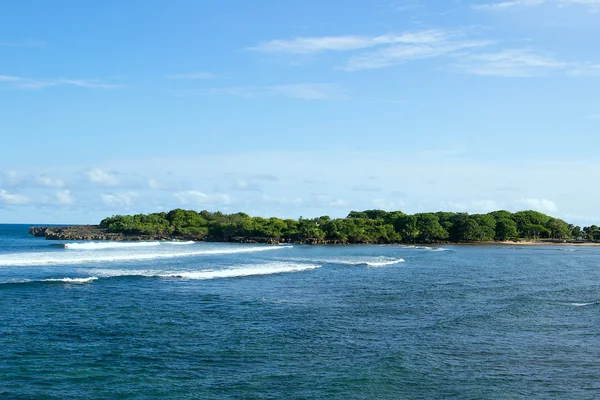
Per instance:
x=71, y=280
x=179, y=243
x=76, y=281
x=384, y=263
x=32, y=259
x=368, y=261
x=239, y=271
x=108, y=245
x=428, y=248
x=585, y=304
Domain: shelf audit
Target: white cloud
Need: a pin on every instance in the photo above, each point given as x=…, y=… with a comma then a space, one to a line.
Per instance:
x=524, y=63
x=197, y=198
x=101, y=177
x=542, y=205
x=193, y=76
x=311, y=45
x=512, y=63
x=119, y=199
x=65, y=198
x=34, y=83
x=13, y=198
x=47, y=181
x=394, y=55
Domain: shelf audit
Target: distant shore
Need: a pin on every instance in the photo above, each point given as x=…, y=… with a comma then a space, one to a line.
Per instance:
x=95, y=232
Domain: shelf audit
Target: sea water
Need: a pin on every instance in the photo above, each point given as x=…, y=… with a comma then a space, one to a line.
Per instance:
x=186, y=320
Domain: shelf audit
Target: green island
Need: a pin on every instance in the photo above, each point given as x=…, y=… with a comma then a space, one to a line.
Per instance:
x=370, y=226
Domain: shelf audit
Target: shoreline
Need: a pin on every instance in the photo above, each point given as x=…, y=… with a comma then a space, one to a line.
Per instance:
x=94, y=232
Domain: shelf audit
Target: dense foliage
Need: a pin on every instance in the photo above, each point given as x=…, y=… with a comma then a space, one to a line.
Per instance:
x=371, y=226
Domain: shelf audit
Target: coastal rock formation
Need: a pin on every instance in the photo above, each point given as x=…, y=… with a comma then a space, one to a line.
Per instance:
x=96, y=232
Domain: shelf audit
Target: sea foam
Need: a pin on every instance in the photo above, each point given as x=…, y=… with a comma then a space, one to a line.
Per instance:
x=229, y=272
x=46, y=258
x=108, y=245
x=71, y=280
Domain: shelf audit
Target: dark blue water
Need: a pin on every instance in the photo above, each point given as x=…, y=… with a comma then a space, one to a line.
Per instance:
x=223, y=321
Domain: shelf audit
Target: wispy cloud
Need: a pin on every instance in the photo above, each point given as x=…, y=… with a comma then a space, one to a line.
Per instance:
x=377, y=51
x=512, y=63
x=46, y=181
x=13, y=198
x=100, y=177
x=306, y=91
x=400, y=54
x=35, y=83
x=312, y=45
x=199, y=75
x=119, y=199
x=590, y=5
x=64, y=198
x=523, y=63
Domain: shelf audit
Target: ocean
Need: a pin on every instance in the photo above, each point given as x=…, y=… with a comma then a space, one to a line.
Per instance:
x=185, y=320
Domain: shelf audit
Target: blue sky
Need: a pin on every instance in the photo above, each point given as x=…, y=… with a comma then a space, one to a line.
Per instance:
x=298, y=107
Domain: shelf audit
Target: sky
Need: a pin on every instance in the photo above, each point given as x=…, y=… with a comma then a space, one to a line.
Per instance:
x=298, y=108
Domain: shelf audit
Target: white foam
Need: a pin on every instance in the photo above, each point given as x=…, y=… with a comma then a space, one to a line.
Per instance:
x=230, y=272
x=428, y=248
x=71, y=280
x=585, y=304
x=108, y=245
x=369, y=261
x=180, y=243
x=384, y=263
x=47, y=258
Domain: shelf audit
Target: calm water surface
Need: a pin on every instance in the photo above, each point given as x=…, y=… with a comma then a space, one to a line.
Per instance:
x=225, y=321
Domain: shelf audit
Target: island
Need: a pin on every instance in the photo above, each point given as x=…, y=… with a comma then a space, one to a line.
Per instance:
x=359, y=227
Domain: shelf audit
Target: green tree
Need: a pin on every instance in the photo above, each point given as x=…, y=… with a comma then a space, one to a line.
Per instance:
x=429, y=228
x=506, y=229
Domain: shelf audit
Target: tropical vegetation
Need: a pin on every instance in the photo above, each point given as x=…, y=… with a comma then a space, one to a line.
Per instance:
x=370, y=226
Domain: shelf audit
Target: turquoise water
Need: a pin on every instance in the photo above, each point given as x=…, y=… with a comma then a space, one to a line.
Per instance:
x=226, y=321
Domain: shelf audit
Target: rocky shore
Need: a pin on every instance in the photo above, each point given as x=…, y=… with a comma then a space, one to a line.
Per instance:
x=96, y=232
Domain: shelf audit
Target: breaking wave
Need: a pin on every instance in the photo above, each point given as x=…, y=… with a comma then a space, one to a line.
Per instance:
x=594, y=303
x=428, y=248
x=108, y=245
x=368, y=261
x=71, y=280
x=239, y=271
x=32, y=259
x=384, y=263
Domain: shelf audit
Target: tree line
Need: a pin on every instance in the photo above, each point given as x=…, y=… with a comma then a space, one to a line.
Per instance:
x=370, y=226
